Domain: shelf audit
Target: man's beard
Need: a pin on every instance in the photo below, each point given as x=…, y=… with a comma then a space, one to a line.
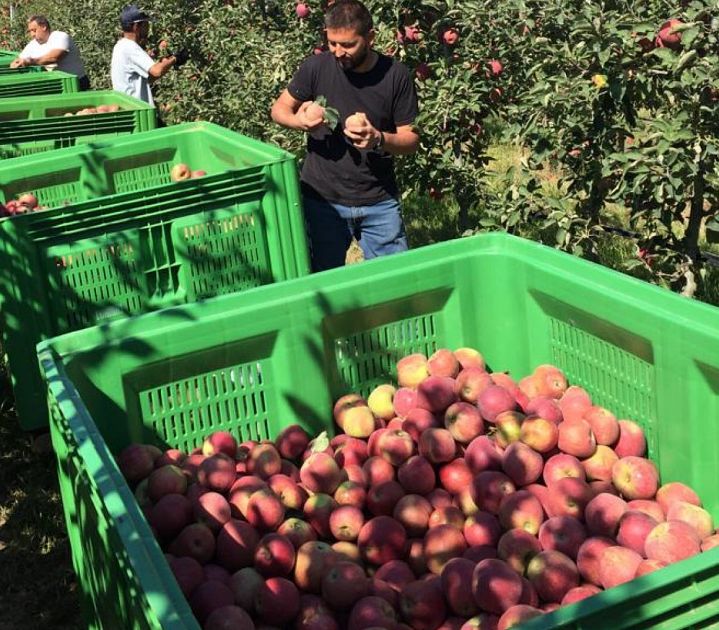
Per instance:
x=352, y=63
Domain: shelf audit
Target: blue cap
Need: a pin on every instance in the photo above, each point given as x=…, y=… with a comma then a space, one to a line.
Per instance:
x=131, y=14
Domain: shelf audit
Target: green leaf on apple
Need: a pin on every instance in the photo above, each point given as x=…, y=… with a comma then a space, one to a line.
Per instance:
x=320, y=443
x=332, y=116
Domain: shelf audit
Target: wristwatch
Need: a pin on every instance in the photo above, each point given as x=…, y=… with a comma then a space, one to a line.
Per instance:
x=380, y=143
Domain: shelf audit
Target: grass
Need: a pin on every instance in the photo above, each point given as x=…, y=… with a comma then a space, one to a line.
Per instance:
x=37, y=584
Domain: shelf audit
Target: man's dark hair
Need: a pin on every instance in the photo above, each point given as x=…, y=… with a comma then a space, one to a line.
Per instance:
x=350, y=14
x=40, y=20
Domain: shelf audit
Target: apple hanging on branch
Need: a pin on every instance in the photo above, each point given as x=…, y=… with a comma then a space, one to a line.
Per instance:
x=450, y=36
x=668, y=37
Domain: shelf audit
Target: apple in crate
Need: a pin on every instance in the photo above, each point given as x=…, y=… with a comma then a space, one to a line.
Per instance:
x=180, y=172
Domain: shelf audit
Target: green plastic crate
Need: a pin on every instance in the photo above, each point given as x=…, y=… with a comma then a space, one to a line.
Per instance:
x=35, y=124
x=16, y=85
x=7, y=57
x=255, y=362
x=152, y=244
x=8, y=71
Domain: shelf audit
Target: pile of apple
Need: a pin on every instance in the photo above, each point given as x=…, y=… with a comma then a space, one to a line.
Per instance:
x=459, y=499
x=100, y=109
x=181, y=171
x=27, y=202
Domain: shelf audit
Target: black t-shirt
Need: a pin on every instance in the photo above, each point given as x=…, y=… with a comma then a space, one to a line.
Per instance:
x=334, y=169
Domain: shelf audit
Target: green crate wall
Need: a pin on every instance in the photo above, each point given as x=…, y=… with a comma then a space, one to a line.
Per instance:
x=131, y=240
x=253, y=363
x=8, y=71
x=16, y=85
x=31, y=125
x=7, y=57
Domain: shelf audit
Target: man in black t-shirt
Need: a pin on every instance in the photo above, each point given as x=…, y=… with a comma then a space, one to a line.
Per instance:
x=348, y=182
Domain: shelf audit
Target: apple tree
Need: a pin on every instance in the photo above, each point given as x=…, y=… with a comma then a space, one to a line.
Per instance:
x=623, y=104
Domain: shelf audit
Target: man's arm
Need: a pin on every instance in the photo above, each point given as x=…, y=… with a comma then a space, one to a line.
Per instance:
x=291, y=113
x=22, y=59
x=49, y=58
x=403, y=142
x=161, y=68
x=58, y=45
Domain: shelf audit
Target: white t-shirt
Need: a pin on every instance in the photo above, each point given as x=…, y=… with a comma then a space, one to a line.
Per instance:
x=71, y=62
x=130, y=69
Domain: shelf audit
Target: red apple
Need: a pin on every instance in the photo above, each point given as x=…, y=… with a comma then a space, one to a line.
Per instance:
x=302, y=10
x=180, y=172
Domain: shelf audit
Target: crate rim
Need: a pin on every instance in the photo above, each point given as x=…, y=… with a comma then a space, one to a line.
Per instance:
x=270, y=152
x=58, y=99
x=701, y=316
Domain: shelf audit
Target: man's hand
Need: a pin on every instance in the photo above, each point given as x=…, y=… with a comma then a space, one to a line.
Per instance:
x=181, y=57
x=361, y=132
x=305, y=120
x=19, y=63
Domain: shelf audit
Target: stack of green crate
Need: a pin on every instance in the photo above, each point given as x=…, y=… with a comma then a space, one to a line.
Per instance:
x=121, y=238
x=8, y=71
x=7, y=57
x=255, y=362
x=40, y=123
x=35, y=83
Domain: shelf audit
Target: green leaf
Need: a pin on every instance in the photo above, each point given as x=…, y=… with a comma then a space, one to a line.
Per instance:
x=689, y=35
x=665, y=54
x=320, y=443
x=686, y=60
x=633, y=263
x=332, y=116
x=712, y=225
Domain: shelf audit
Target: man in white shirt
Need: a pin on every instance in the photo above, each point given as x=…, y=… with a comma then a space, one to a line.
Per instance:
x=51, y=49
x=132, y=69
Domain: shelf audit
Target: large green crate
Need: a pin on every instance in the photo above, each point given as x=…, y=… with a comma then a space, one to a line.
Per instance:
x=7, y=57
x=255, y=362
x=35, y=124
x=16, y=85
x=8, y=71
x=151, y=244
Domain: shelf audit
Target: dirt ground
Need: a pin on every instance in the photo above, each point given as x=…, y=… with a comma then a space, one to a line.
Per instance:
x=38, y=588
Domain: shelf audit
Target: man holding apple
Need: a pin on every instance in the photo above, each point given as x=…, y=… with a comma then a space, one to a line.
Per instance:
x=348, y=182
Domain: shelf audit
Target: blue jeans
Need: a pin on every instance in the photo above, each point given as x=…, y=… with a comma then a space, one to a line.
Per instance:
x=378, y=228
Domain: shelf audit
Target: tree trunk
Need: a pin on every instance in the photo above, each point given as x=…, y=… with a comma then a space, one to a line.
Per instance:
x=696, y=213
x=691, y=236
x=463, y=217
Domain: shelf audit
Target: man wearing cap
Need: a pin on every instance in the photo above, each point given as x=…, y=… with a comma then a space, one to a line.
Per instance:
x=132, y=69
x=51, y=49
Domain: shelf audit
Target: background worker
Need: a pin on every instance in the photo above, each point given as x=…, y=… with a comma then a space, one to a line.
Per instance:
x=55, y=50
x=132, y=69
